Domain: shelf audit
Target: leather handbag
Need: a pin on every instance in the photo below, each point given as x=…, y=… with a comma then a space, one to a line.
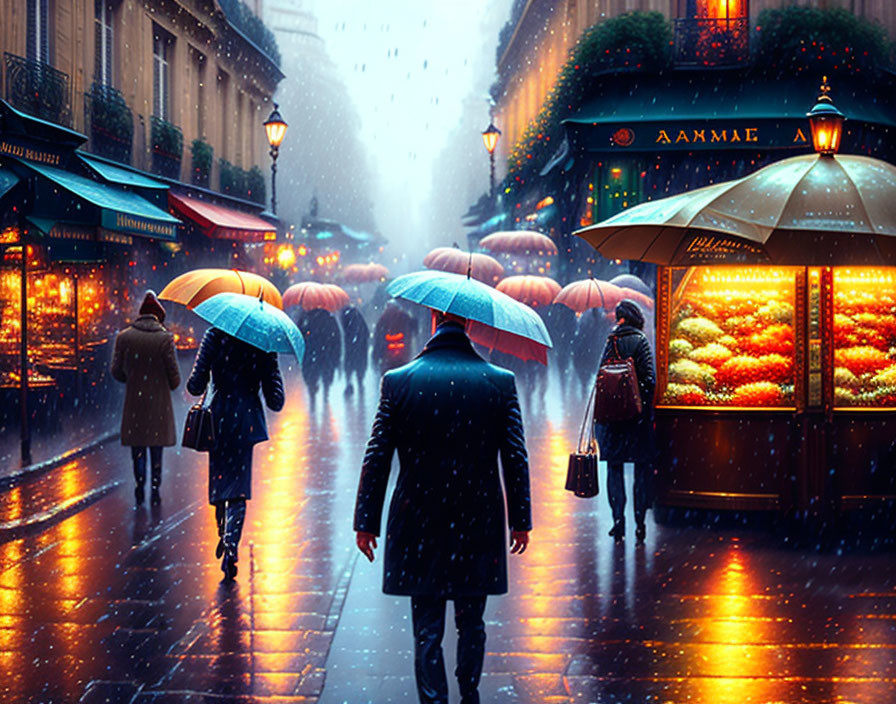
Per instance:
x=581, y=474
x=618, y=397
x=199, y=429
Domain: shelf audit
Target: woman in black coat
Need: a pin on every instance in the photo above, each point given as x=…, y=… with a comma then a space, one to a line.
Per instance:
x=630, y=440
x=237, y=371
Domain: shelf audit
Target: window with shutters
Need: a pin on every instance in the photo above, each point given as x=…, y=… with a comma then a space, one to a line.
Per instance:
x=161, y=71
x=102, y=69
x=38, y=29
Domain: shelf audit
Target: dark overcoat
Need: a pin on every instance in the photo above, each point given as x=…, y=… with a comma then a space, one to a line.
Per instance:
x=450, y=415
x=356, y=340
x=237, y=372
x=144, y=359
x=631, y=440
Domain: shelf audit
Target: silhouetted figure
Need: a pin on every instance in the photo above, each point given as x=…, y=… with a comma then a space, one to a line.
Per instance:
x=630, y=440
x=356, y=345
x=237, y=371
x=323, y=349
x=560, y=320
x=394, y=337
x=449, y=414
x=145, y=360
x=588, y=343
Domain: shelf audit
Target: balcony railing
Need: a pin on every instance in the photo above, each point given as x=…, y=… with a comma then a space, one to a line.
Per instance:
x=167, y=146
x=38, y=89
x=712, y=42
x=110, y=123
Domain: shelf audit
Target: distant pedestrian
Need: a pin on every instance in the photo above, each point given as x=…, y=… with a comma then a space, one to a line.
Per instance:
x=560, y=320
x=394, y=337
x=630, y=440
x=588, y=341
x=145, y=360
x=237, y=371
x=356, y=345
x=323, y=349
x=450, y=415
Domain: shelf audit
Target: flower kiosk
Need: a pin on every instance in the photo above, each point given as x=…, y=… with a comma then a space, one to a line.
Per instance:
x=776, y=332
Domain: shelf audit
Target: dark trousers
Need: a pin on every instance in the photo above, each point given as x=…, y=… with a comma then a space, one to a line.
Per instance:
x=428, y=617
x=616, y=491
x=138, y=454
x=230, y=516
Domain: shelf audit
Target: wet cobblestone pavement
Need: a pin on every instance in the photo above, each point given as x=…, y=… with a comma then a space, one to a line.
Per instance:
x=108, y=603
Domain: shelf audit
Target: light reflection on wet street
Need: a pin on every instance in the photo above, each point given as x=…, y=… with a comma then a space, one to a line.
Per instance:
x=117, y=604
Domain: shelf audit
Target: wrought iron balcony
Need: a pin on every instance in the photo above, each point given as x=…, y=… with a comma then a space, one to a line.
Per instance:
x=38, y=89
x=110, y=123
x=712, y=42
x=167, y=143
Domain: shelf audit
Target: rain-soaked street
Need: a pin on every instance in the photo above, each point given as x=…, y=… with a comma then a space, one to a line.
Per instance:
x=117, y=604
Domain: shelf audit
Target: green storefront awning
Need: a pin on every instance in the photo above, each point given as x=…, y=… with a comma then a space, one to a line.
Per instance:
x=7, y=180
x=119, y=175
x=120, y=210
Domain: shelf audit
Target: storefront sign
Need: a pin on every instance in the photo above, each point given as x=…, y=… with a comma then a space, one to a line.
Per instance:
x=66, y=231
x=104, y=235
x=719, y=248
x=10, y=147
x=123, y=222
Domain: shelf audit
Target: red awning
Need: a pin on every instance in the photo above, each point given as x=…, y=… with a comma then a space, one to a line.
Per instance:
x=220, y=222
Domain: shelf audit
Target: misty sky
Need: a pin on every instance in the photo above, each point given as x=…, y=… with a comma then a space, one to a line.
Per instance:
x=409, y=66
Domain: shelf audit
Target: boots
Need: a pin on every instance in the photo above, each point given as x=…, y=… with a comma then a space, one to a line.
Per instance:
x=617, y=532
x=640, y=533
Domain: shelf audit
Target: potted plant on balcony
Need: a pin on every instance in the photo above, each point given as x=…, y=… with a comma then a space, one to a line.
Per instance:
x=203, y=155
x=111, y=123
x=167, y=147
x=255, y=185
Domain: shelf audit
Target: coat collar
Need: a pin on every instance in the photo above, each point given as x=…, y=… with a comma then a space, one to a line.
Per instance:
x=449, y=335
x=148, y=323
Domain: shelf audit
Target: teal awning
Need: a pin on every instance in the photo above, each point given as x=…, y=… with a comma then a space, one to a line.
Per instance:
x=119, y=175
x=120, y=210
x=7, y=180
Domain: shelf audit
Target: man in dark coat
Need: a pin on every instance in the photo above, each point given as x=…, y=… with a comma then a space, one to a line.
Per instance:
x=237, y=371
x=394, y=337
x=356, y=344
x=630, y=440
x=144, y=359
x=560, y=320
x=590, y=336
x=450, y=415
x=323, y=349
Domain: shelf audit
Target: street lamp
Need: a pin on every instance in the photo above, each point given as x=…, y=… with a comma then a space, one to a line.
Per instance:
x=826, y=122
x=490, y=137
x=275, y=128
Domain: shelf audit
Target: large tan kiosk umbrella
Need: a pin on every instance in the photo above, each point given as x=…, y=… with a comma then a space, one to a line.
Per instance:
x=198, y=285
x=806, y=210
x=456, y=261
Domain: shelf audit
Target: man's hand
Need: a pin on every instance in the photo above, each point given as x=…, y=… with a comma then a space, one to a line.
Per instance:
x=519, y=539
x=366, y=543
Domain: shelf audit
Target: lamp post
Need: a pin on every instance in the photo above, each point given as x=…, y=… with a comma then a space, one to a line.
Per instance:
x=826, y=122
x=275, y=129
x=490, y=137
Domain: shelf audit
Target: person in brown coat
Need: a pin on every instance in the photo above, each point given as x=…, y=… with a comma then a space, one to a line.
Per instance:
x=144, y=359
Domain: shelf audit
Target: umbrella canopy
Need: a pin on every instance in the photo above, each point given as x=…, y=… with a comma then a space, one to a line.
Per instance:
x=311, y=294
x=534, y=291
x=364, y=273
x=194, y=287
x=253, y=321
x=482, y=267
x=806, y=210
x=632, y=282
x=519, y=242
x=590, y=293
x=495, y=319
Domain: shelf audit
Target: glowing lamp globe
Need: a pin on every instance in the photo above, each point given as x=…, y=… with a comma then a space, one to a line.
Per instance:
x=490, y=137
x=826, y=122
x=275, y=128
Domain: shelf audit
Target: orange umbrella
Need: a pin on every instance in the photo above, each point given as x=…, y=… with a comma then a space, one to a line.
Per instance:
x=590, y=293
x=311, y=294
x=194, y=287
x=482, y=267
x=364, y=273
x=519, y=242
x=534, y=291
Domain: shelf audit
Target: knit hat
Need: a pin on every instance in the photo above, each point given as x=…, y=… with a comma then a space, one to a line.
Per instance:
x=631, y=311
x=151, y=306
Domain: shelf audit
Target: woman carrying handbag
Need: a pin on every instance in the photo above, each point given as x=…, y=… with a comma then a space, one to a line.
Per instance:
x=237, y=371
x=633, y=439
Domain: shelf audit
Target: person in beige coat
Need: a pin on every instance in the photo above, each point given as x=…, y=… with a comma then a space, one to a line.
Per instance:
x=144, y=359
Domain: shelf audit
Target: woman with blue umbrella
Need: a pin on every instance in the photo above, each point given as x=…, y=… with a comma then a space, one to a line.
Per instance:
x=238, y=355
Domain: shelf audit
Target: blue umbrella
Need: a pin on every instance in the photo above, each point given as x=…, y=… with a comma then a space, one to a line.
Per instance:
x=253, y=321
x=499, y=322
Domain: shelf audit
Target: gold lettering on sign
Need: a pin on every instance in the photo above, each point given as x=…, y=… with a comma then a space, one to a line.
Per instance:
x=799, y=137
x=663, y=138
x=21, y=152
x=699, y=136
x=751, y=134
x=682, y=137
x=719, y=136
x=735, y=137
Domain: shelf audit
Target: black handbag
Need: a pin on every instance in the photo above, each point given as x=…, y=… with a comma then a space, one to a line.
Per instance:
x=581, y=475
x=618, y=396
x=199, y=429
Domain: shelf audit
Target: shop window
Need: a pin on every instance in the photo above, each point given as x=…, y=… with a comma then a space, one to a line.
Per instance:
x=618, y=188
x=103, y=37
x=731, y=337
x=712, y=32
x=38, y=30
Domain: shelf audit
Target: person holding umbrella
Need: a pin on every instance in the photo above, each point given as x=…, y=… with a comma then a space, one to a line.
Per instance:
x=238, y=355
x=450, y=415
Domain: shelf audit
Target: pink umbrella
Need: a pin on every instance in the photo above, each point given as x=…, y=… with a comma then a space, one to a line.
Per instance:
x=519, y=242
x=311, y=294
x=642, y=299
x=534, y=291
x=484, y=268
x=590, y=293
x=364, y=273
